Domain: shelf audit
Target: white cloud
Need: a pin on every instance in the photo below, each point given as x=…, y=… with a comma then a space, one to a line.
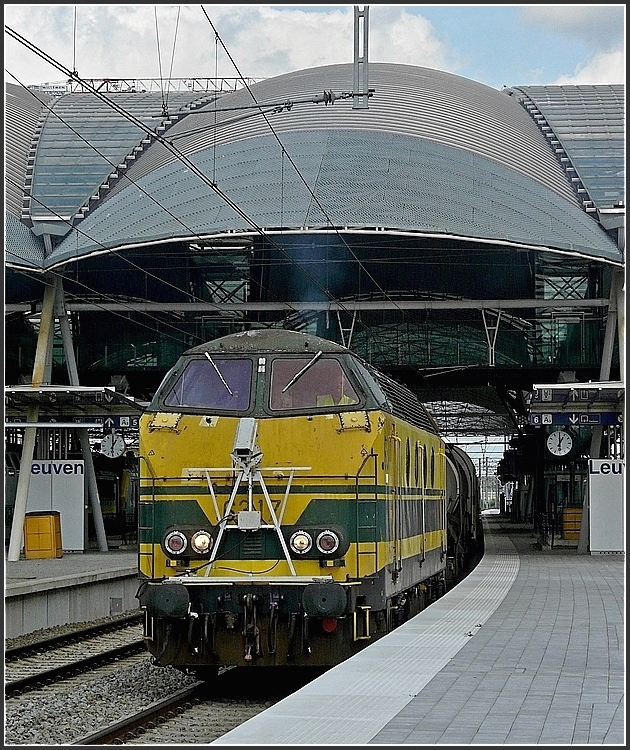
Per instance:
x=598, y=26
x=401, y=37
x=602, y=68
x=265, y=42
x=120, y=41
x=599, y=29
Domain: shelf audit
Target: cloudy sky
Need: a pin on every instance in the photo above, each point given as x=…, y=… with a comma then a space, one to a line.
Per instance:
x=499, y=45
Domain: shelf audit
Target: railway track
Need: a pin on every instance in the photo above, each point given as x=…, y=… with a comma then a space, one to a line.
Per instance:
x=54, y=641
x=157, y=713
x=34, y=665
x=200, y=713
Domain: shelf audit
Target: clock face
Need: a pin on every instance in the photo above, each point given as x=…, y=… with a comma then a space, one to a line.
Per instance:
x=113, y=445
x=559, y=443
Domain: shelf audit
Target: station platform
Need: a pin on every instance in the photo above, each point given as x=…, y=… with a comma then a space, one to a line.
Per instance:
x=527, y=650
x=77, y=587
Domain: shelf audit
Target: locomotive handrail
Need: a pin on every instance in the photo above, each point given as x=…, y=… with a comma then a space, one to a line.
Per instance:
x=250, y=474
x=204, y=473
x=359, y=501
x=248, y=578
x=149, y=555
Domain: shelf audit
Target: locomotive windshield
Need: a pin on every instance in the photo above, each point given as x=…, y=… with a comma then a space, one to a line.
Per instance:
x=308, y=382
x=213, y=383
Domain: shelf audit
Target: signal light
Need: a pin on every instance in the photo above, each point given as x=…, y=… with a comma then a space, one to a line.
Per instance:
x=327, y=542
x=175, y=543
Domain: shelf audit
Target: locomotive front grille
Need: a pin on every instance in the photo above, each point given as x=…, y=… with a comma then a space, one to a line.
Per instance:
x=252, y=546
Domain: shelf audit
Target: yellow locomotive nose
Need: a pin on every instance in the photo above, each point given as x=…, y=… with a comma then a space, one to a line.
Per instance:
x=281, y=527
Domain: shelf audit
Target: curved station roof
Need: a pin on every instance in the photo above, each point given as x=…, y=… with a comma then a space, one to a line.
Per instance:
x=432, y=155
x=428, y=171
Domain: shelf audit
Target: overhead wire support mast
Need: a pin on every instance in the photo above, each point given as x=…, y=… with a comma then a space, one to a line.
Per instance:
x=361, y=66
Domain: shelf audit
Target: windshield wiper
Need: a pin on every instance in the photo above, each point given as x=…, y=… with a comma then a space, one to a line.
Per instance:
x=301, y=372
x=218, y=373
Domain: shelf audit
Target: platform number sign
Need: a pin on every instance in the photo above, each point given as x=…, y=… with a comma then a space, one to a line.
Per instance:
x=542, y=418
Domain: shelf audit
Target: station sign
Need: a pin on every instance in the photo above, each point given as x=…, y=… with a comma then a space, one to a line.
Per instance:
x=578, y=396
x=577, y=419
x=113, y=422
x=110, y=422
x=578, y=404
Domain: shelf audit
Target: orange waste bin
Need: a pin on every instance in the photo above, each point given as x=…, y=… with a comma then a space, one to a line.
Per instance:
x=42, y=535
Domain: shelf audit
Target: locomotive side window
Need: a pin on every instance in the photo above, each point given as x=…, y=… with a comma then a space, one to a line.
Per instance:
x=424, y=465
x=309, y=382
x=213, y=383
x=417, y=463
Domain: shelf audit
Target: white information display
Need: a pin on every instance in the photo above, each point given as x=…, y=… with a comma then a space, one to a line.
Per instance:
x=60, y=485
x=606, y=487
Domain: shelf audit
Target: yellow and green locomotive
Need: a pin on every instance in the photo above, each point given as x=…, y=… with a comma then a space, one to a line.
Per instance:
x=293, y=505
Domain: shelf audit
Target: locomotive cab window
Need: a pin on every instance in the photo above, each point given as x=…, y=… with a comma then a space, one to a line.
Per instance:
x=309, y=382
x=213, y=383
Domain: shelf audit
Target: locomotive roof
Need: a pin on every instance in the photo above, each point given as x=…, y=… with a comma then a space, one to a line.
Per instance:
x=269, y=340
x=388, y=394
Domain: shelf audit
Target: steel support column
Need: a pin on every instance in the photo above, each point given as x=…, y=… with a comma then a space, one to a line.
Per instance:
x=40, y=368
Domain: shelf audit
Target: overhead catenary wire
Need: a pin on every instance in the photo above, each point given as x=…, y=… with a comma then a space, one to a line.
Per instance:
x=111, y=298
x=294, y=165
x=165, y=89
x=162, y=207
x=118, y=253
x=184, y=159
x=151, y=132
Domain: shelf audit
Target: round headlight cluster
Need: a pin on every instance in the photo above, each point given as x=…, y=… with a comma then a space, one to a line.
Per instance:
x=300, y=542
x=326, y=542
x=188, y=542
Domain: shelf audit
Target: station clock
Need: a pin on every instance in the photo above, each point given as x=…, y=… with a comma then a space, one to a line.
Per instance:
x=113, y=445
x=560, y=443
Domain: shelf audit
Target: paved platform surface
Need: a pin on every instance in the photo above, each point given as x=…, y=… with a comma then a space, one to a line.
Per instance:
x=527, y=650
x=30, y=573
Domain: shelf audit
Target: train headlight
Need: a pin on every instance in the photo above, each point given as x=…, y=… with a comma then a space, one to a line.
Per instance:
x=300, y=542
x=327, y=542
x=175, y=542
x=201, y=542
